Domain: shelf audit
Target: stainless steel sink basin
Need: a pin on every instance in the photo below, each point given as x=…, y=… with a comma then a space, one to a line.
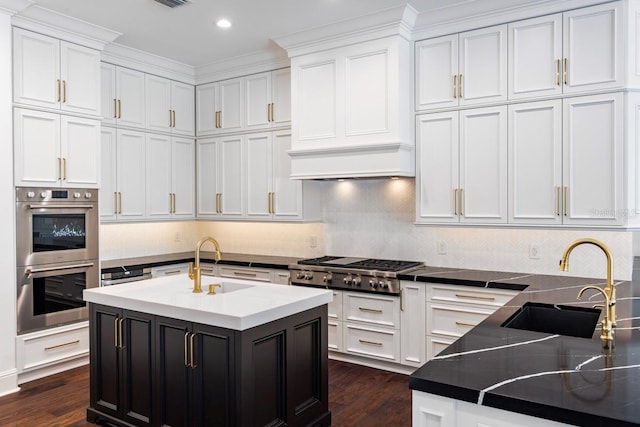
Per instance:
x=555, y=319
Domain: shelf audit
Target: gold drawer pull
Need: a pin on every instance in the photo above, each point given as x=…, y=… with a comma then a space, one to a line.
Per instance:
x=470, y=325
x=170, y=272
x=186, y=350
x=240, y=273
x=377, y=344
x=369, y=310
x=475, y=297
x=53, y=347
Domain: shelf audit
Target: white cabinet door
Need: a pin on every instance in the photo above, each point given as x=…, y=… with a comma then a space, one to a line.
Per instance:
x=437, y=167
x=183, y=106
x=483, y=165
x=593, y=48
x=130, y=97
x=36, y=69
x=108, y=187
x=483, y=65
x=183, y=177
x=436, y=68
x=159, y=114
x=281, y=97
x=158, y=176
x=208, y=158
x=257, y=92
x=593, y=159
x=287, y=197
x=37, y=158
x=412, y=323
x=259, y=175
x=230, y=105
x=314, y=106
x=535, y=162
x=80, y=75
x=232, y=177
x=206, y=109
x=80, y=152
x=108, y=96
x=535, y=52
x=131, y=174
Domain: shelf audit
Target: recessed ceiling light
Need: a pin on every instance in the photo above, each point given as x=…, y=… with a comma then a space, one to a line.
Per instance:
x=223, y=23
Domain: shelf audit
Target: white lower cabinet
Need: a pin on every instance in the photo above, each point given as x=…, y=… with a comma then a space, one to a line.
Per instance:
x=452, y=311
x=412, y=323
x=53, y=350
x=429, y=410
x=334, y=314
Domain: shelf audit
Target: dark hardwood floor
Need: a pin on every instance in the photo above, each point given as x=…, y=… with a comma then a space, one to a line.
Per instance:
x=358, y=396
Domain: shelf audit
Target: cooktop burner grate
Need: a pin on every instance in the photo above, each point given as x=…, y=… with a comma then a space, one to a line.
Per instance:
x=360, y=263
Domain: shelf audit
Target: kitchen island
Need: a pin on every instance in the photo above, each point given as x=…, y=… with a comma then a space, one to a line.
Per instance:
x=252, y=354
x=532, y=378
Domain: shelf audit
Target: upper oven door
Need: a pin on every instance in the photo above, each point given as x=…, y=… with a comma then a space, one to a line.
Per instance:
x=56, y=231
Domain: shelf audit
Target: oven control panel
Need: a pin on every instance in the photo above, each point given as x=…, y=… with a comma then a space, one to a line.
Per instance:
x=351, y=281
x=56, y=195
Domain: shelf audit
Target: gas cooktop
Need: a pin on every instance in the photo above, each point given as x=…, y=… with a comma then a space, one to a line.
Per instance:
x=361, y=263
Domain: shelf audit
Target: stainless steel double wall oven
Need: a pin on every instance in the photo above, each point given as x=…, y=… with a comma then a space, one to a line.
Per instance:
x=57, y=254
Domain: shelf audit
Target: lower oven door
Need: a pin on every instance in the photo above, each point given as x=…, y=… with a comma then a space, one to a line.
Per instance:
x=51, y=295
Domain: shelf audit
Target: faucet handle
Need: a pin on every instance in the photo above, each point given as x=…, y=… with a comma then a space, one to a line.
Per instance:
x=191, y=272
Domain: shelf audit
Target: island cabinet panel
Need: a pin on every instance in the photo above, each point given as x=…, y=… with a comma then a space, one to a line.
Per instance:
x=122, y=365
x=272, y=374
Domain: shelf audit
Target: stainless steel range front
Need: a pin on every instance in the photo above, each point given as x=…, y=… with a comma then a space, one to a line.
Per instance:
x=353, y=274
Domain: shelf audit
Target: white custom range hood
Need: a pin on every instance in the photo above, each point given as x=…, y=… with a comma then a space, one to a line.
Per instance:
x=350, y=98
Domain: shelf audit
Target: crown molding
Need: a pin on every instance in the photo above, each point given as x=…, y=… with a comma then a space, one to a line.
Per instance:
x=54, y=24
x=125, y=56
x=389, y=22
x=11, y=7
x=256, y=62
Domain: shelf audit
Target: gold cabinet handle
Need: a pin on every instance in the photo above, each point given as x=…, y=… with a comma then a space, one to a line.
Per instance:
x=64, y=168
x=64, y=91
x=565, y=190
x=115, y=333
x=193, y=336
x=460, y=94
x=53, y=347
x=119, y=202
x=59, y=168
x=377, y=344
x=402, y=299
x=220, y=119
x=557, y=72
x=455, y=201
x=174, y=202
x=370, y=310
x=119, y=109
x=174, y=118
x=461, y=205
x=115, y=108
x=115, y=202
x=477, y=297
x=557, y=201
x=120, y=333
x=469, y=325
x=565, y=70
x=269, y=112
x=455, y=86
x=273, y=114
x=170, y=118
x=58, y=90
x=186, y=350
x=243, y=274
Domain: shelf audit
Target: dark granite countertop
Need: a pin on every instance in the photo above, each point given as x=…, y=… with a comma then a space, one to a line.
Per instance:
x=240, y=260
x=561, y=378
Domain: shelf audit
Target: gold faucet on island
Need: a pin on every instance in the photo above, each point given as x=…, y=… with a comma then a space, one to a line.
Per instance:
x=194, y=271
x=609, y=291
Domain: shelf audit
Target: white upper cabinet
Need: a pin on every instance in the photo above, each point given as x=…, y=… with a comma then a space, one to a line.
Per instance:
x=462, y=162
x=55, y=150
x=55, y=74
x=462, y=69
x=169, y=105
x=570, y=52
x=123, y=96
x=220, y=107
x=268, y=99
x=259, y=175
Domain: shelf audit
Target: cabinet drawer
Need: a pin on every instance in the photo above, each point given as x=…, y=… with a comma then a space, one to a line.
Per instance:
x=246, y=273
x=470, y=295
x=452, y=320
x=335, y=335
x=335, y=306
x=47, y=347
x=169, y=270
x=372, y=342
x=372, y=309
x=207, y=269
x=436, y=344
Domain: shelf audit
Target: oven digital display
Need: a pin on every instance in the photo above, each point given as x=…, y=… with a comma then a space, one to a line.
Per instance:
x=56, y=232
x=59, y=194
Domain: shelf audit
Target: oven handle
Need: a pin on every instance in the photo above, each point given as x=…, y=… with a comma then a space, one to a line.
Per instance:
x=31, y=271
x=60, y=206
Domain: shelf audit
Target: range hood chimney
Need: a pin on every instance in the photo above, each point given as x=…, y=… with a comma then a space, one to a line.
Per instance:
x=350, y=97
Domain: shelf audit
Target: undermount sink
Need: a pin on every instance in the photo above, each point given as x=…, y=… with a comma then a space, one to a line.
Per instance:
x=555, y=319
x=226, y=287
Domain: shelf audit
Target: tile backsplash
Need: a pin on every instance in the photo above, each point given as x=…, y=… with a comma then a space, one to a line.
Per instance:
x=375, y=218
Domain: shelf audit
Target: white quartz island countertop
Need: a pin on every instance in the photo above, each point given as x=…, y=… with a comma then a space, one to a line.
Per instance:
x=238, y=304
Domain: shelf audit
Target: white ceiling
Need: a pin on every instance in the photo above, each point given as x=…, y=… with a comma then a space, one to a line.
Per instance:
x=188, y=33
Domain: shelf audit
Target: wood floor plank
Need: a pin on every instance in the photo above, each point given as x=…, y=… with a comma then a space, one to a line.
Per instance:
x=358, y=397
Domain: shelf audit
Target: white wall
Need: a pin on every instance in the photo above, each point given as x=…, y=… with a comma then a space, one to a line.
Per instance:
x=375, y=218
x=8, y=373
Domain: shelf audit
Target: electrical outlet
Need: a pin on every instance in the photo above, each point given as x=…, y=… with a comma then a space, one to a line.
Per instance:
x=177, y=237
x=534, y=251
x=313, y=241
x=442, y=247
